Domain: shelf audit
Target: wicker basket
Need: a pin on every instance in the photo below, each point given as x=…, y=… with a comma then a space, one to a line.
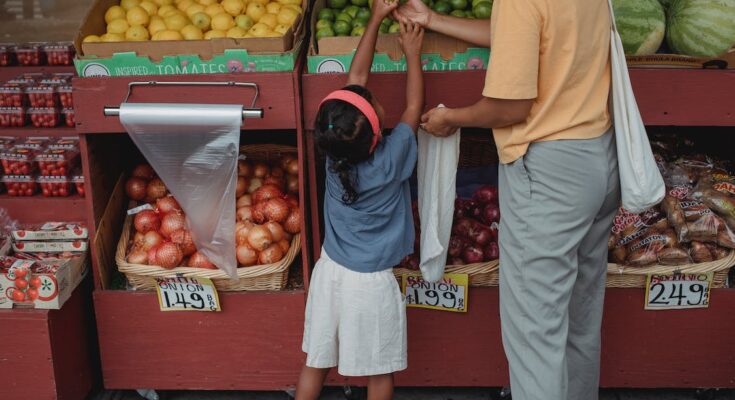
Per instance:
x=261, y=277
x=477, y=149
x=481, y=274
x=619, y=276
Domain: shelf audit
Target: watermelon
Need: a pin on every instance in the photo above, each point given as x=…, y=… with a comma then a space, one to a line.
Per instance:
x=701, y=28
x=666, y=3
x=641, y=24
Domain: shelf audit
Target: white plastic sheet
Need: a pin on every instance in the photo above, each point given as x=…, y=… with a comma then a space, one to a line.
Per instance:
x=437, y=181
x=194, y=149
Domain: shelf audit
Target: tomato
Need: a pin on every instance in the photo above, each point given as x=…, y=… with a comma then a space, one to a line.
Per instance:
x=21, y=283
x=32, y=294
x=18, y=295
x=20, y=272
x=35, y=282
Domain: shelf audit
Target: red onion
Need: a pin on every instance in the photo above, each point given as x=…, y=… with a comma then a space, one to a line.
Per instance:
x=457, y=244
x=481, y=234
x=246, y=256
x=276, y=209
x=463, y=227
x=156, y=189
x=146, y=221
x=272, y=254
x=491, y=251
x=293, y=222
x=455, y=261
x=486, y=194
x=135, y=188
x=199, y=260
x=259, y=238
x=473, y=255
x=490, y=214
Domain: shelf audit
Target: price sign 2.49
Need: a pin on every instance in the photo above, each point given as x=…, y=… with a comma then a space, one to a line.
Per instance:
x=449, y=294
x=187, y=294
x=678, y=291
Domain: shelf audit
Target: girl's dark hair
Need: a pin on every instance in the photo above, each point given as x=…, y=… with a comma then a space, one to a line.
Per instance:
x=344, y=134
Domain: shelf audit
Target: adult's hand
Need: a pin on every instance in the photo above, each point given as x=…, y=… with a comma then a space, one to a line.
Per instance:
x=437, y=123
x=414, y=11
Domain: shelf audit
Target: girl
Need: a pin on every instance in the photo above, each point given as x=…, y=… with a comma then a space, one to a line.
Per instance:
x=355, y=315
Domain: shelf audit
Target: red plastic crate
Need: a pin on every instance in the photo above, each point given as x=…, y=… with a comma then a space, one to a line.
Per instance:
x=20, y=185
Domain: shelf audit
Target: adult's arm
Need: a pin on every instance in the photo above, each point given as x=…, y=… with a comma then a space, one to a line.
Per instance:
x=486, y=113
x=475, y=31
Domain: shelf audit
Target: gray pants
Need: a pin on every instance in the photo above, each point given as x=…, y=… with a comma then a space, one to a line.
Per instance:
x=557, y=205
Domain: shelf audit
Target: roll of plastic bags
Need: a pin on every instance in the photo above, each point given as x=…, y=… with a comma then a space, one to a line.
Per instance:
x=194, y=150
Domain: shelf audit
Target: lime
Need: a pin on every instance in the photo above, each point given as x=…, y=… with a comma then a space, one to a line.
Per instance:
x=342, y=28
x=482, y=10
x=326, y=14
x=343, y=16
x=384, y=28
x=337, y=4
x=458, y=13
x=394, y=28
x=476, y=2
x=458, y=4
x=363, y=13
x=325, y=32
x=359, y=3
x=352, y=10
x=357, y=31
x=356, y=23
x=386, y=21
x=442, y=7
x=323, y=23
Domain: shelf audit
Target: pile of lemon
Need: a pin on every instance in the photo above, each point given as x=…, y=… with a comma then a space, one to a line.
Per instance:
x=141, y=20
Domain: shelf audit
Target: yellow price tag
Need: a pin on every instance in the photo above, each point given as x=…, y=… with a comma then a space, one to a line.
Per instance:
x=448, y=294
x=675, y=291
x=187, y=294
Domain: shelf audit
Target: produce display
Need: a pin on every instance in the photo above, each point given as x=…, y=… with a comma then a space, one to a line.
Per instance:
x=268, y=214
x=474, y=237
x=349, y=18
x=39, y=163
x=701, y=28
x=34, y=54
x=135, y=20
x=36, y=99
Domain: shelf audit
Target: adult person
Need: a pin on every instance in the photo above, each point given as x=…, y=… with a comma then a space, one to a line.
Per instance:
x=546, y=98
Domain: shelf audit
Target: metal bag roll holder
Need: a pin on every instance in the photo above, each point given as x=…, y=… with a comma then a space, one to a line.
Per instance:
x=250, y=113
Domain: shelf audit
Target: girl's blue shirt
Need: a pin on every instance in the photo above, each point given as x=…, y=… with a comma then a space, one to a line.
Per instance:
x=376, y=232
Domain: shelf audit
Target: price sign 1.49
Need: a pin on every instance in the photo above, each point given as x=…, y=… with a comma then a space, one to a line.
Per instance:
x=187, y=294
x=678, y=291
x=449, y=294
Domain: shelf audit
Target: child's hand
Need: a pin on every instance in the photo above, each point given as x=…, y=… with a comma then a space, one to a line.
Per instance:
x=383, y=8
x=412, y=37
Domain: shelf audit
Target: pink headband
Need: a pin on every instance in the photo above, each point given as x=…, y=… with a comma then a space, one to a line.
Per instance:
x=361, y=104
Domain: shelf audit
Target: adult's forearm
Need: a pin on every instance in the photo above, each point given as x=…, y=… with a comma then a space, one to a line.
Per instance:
x=481, y=115
x=475, y=31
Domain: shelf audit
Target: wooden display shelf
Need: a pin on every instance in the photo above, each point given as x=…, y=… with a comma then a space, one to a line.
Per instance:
x=252, y=344
x=278, y=96
x=37, y=208
x=49, y=354
x=8, y=73
x=26, y=131
x=640, y=349
x=681, y=97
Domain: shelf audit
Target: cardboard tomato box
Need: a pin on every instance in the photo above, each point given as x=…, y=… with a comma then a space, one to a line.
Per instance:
x=44, y=284
x=724, y=61
x=225, y=55
x=439, y=52
x=51, y=231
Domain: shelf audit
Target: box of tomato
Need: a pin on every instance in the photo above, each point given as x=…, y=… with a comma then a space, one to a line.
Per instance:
x=47, y=284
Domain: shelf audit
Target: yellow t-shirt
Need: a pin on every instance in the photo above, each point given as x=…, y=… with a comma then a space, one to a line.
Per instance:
x=558, y=53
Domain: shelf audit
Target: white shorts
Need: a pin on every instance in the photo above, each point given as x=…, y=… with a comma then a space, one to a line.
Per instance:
x=354, y=320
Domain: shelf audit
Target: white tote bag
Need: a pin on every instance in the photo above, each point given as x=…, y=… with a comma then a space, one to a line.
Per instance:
x=641, y=184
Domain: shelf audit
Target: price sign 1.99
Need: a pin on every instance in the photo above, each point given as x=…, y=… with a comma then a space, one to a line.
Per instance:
x=187, y=294
x=449, y=294
x=678, y=291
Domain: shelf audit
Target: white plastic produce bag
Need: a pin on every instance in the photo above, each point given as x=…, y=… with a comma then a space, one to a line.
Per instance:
x=437, y=181
x=194, y=149
x=641, y=184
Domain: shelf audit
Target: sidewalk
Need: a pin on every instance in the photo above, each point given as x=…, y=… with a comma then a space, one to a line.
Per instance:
x=420, y=394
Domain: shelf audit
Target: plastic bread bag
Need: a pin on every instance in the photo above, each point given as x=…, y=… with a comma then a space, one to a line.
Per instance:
x=629, y=228
x=691, y=218
x=718, y=200
x=657, y=247
x=194, y=150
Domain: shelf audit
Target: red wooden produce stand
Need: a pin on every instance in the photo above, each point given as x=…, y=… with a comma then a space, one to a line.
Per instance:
x=51, y=354
x=253, y=344
x=640, y=349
